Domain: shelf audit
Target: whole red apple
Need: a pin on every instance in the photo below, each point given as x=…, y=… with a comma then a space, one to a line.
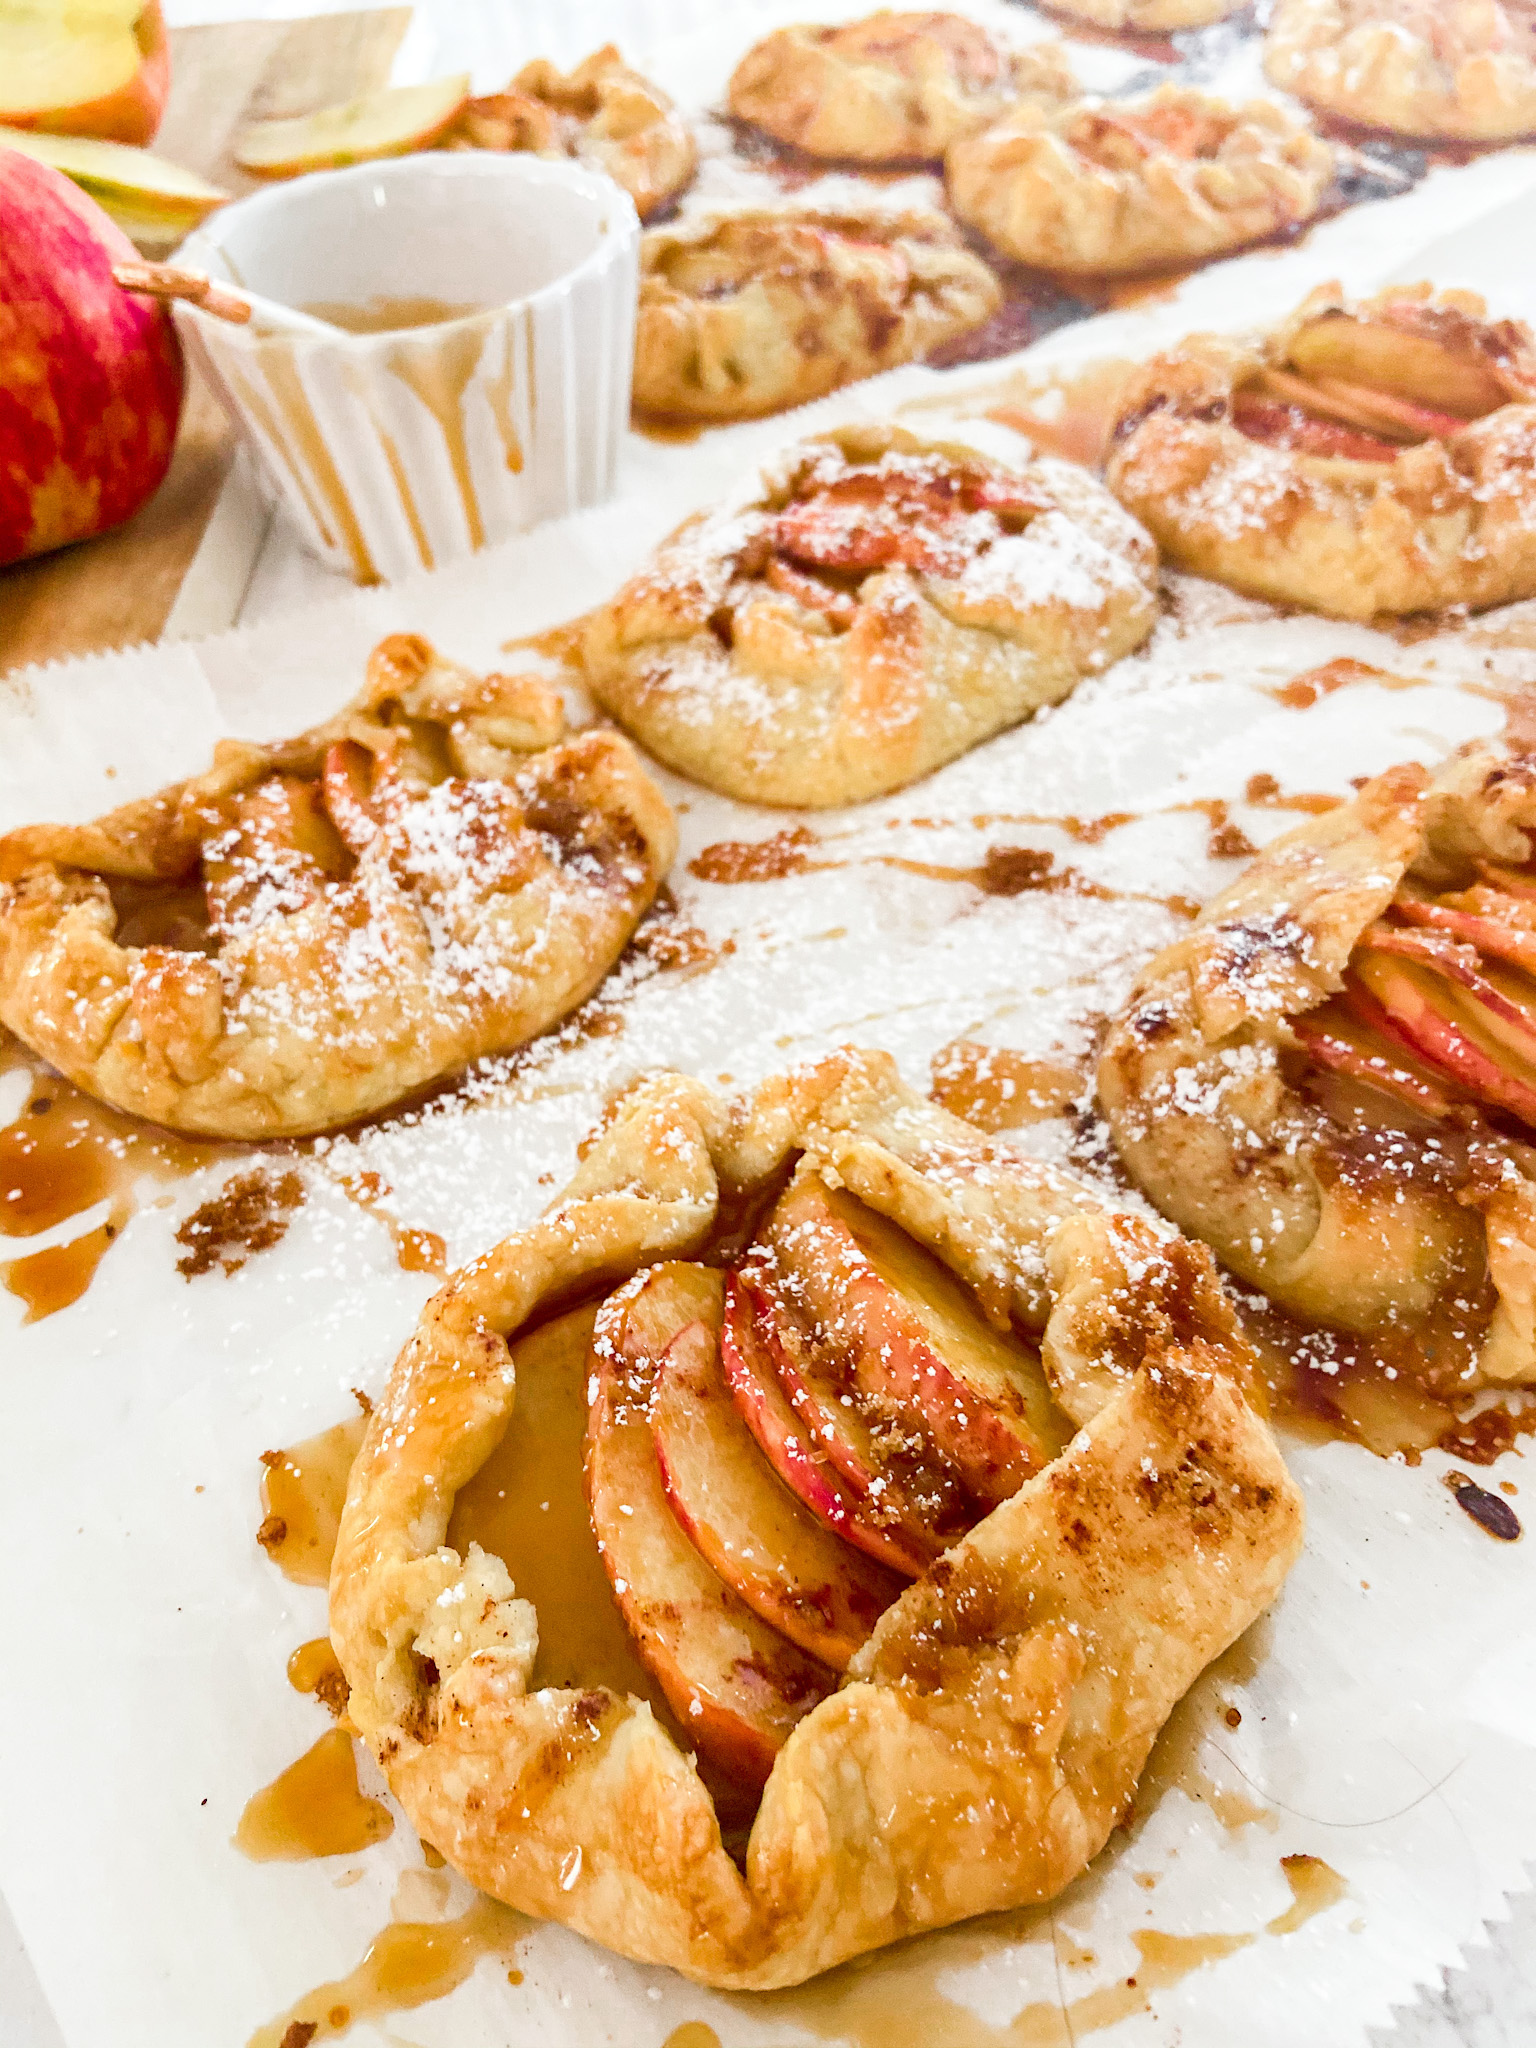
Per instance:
x=90, y=377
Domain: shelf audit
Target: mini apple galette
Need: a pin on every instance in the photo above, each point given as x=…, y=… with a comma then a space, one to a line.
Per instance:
x=883, y=604
x=749, y=313
x=1374, y=458
x=892, y=88
x=1332, y=1078
x=1146, y=17
x=313, y=930
x=602, y=113
x=870, y=1572
x=1462, y=70
x=1106, y=187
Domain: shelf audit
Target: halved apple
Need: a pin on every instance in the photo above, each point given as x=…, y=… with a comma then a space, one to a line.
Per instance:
x=749, y=1528
x=1397, y=359
x=762, y=1404
x=131, y=184
x=394, y=122
x=903, y=1331
x=736, y=1685
x=84, y=67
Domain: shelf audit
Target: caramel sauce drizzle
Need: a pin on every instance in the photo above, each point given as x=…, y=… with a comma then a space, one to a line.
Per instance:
x=303, y=1491
x=410, y=1963
x=314, y=1808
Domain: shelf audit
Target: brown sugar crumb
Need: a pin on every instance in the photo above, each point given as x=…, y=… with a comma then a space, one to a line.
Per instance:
x=1011, y=870
x=273, y=1533
x=299, y=2033
x=1233, y=1717
x=1261, y=789
x=362, y=1400
x=248, y=1215
x=1229, y=842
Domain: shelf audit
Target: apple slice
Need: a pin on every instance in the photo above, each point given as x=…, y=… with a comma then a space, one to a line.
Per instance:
x=901, y=1330
x=900, y=1482
x=735, y=1684
x=1280, y=425
x=808, y=1473
x=1454, y=1019
x=1499, y=924
x=394, y=122
x=1396, y=359
x=1334, y=1037
x=127, y=182
x=102, y=68
x=749, y=1528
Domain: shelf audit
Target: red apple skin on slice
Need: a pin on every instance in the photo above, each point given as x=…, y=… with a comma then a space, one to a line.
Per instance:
x=746, y=1525
x=907, y=1333
x=764, y=1407
x=1333, y=1039
x=901, y=1483
x=1423, y=1004
x=734, y=1683
x=1500, y=926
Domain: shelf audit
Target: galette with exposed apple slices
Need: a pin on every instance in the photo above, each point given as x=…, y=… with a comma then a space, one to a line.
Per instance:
x=603, y=113
x=753, y=311
x=314, y=929
x=880, y=605
x=1363, y=459
x=1462, y=70
x=889, y=88
x=1105, y=188
x=1332, y=1079
x=924, y=1483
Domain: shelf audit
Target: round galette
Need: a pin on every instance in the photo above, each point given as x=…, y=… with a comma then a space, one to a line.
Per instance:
x=924, y=1485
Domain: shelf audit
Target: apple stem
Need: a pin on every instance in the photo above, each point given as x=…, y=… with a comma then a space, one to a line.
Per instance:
x=165, y=281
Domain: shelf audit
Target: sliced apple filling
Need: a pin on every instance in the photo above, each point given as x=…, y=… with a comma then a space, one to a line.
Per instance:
x=845, y=522
x=1438, y=1007
x=1363, y=389
x=773, y=1452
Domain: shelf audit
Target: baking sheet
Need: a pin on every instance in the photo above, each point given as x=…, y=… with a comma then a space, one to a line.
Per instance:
x=1387, y=1719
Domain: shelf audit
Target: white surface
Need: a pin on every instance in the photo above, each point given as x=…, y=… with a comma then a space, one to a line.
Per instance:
x=1381, y=1725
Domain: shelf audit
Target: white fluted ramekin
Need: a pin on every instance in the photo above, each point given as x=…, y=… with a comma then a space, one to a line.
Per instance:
x=396, y=452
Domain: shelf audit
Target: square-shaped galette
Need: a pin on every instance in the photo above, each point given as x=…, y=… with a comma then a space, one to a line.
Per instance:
x=881, y=604
x=925, y=1485
x=315, y=929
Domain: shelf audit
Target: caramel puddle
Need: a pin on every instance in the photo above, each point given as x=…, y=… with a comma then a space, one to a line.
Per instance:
x=1315, y=1886
x=314, y=1808
x=408, y=1964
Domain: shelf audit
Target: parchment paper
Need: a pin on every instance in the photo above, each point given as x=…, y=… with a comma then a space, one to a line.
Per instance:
x=1388, y=1722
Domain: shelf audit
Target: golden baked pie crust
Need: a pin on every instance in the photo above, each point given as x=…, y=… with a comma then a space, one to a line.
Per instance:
x=1460, y=70
x=754, y=311
x=1191, y=1077
x=1451, y=522
x=1065, y=1625
x=1146, y=17
x=796, y=711
x=603, y=113
x=480, y=912
x=1106, y=187
x=890, y=88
